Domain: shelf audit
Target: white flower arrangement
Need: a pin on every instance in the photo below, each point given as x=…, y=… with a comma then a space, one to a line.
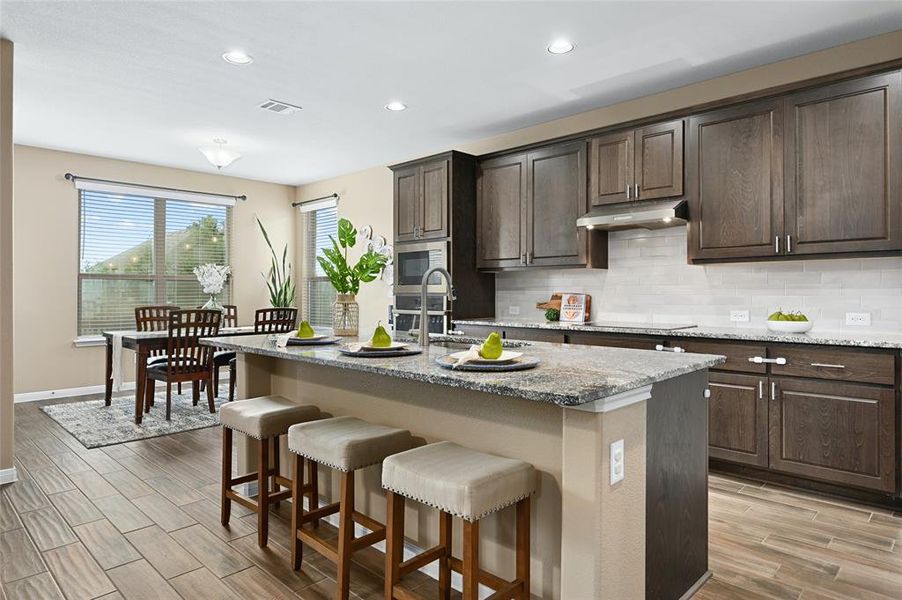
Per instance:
x=212, y=277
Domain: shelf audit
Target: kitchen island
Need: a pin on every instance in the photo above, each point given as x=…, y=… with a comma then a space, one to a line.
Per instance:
x=644, y=536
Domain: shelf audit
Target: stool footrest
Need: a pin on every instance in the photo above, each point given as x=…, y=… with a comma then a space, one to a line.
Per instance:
x=399, y=592
x=319, y=513
x=421, y=560
x=318, y=544
x=369, y=539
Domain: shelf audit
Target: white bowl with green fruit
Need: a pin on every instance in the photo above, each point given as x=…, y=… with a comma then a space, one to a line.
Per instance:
x=791, y=322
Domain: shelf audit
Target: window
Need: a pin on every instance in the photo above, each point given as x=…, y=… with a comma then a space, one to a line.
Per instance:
x=319, y=294
x=137, y=250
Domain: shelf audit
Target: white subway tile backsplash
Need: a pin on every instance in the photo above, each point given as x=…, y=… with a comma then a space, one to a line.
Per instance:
x=648, y=279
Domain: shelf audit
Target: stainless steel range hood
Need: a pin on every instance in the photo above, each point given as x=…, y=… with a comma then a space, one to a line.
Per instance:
x=638, y=214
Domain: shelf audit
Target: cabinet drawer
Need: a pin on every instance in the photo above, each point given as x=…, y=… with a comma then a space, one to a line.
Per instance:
x=614, y=341
x=835, y=364
x=534, y=335
x=738, y=355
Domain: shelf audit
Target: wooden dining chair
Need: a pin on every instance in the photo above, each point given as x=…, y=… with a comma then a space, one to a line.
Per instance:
x=266, y=320
x=154, y=318
x=221, y=356
x=187, y=360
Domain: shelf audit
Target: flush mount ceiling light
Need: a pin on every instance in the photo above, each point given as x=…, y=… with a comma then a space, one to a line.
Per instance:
x=395, y=106
x=237, y=57
x=560, y=47
x=219, y=156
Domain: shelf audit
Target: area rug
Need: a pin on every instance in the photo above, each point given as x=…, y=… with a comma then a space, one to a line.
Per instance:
x=96, y=425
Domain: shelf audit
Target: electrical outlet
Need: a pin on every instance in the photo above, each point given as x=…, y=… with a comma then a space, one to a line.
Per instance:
x=513, y=310
x=862, y=319
x=617, y=462
x=739, y=316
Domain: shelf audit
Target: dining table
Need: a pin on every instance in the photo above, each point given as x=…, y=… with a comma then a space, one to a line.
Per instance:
x=143, y=343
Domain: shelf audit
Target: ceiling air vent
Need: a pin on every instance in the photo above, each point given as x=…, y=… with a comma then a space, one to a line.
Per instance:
x=276, y=106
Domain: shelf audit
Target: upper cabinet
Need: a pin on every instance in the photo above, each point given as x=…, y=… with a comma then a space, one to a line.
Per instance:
x=528, y=204
x=421, y=200
x=638, y=164
x=735, y=181
x=817, y=172
x=844, y=167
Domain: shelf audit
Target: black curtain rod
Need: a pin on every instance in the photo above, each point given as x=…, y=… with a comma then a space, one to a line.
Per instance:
x=71, y=177
x=298, y=203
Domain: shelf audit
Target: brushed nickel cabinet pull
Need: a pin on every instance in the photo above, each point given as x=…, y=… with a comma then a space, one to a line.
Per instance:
x=662, y=348
x=758, y=360
x=828, y=366
x=760, y=389
x=529, y=258
x=773, y=390
x=777, y=244
x=628, y=186
x=788, y=243
x=636, y=190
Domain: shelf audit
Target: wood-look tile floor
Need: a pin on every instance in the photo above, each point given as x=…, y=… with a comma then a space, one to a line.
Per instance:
x=141, y=520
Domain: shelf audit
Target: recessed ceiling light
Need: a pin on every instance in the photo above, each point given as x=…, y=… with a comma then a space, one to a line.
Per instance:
x=560, y=47
x=237, y=57
x=395, y=106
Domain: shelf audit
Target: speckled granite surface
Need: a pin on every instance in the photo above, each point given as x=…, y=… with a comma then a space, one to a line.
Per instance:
x=567, y=375
x=862, y=340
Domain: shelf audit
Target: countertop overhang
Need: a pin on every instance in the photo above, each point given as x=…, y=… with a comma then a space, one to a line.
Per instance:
x=569, y=375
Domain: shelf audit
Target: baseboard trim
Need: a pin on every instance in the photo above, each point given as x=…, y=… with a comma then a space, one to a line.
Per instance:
x=66, y=392
x=8, y=475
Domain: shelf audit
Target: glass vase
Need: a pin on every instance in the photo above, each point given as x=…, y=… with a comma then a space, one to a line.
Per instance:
x=345, y=315
x=213, y=304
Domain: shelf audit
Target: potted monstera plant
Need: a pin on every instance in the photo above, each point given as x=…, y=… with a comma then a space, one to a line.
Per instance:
x=346, y=279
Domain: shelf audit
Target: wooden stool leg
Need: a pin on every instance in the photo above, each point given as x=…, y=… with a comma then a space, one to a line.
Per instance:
x=345, y=536
x=276, y=466
x=313, y=494
x=262, y=493
x=394, y=542
x=297, y=510
x=444, y=563
x=226, y=475
x=523, y=510
x=471, y=561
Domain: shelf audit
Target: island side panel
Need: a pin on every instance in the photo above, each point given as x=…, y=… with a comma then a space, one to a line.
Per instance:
x=603, y=555
x=501, y=425
x=677, y=495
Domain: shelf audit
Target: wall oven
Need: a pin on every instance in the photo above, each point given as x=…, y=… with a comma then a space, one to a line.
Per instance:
x=413, y=260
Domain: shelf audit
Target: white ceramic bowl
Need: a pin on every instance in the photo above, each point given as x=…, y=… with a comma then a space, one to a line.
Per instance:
x=790, y=326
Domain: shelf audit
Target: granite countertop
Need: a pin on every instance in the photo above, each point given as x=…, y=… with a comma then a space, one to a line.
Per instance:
x=568, y=375
x=758, y=334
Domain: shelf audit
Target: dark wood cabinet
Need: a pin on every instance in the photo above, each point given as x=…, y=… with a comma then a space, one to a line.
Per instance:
x=638, y=164
x=528, y=204
x=735, y=181
x=615, y=341
x=737, y=418
x=838, y=432
x=843, y=162
x=421, y=201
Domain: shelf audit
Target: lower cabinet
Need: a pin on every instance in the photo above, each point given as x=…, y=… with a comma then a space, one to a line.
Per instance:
x=737, y=418
x=838, y=432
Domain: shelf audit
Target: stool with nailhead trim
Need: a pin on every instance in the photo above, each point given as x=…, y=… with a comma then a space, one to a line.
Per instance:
x=345, y=444
x=464, y=483
x=264, y=419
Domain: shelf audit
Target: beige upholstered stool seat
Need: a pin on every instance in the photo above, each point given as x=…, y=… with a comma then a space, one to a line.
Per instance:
x=463, y=482
x=266, y=416
x=346, y=443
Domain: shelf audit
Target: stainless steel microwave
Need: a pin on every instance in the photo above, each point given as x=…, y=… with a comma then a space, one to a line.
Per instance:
x=413, y=260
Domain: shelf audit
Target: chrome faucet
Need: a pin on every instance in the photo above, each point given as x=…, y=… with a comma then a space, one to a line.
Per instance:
x=424, y=310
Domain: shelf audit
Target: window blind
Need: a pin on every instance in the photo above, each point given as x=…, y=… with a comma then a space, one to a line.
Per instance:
x=319, y=295
x=138, y=250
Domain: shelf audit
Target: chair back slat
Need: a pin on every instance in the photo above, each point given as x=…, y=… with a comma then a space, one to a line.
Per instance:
x=275, y=320
x=153, y=318
x=186, y=328
x=230, y=315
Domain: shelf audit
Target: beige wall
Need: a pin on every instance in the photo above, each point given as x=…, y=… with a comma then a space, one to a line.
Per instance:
x=46, y=247
x=6, y=255
x=373, y=187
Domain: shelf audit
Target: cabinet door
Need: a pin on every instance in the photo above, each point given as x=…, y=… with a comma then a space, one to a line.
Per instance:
x=737, y=418
x=611, y=168
x=556, y=198
x=838, y=432
x=407, y=201
x=844, y=167
x=501, y=212
x=659, y=161
x=434, y=200
x=735, y=181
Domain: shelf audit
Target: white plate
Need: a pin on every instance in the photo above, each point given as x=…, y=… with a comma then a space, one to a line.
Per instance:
x=506, y=357
x=312, y=338
x=394, y=346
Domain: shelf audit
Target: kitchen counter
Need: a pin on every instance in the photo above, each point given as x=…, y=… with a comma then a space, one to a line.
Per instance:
x=568, y=375
x=751, y=334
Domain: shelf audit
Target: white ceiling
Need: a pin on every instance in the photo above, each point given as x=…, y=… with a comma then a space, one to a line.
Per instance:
x=144, y=81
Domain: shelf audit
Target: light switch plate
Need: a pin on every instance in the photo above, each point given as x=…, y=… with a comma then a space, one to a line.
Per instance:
x=513, y=310
x=617, y=462
x=862, y=319
x=739, y=316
